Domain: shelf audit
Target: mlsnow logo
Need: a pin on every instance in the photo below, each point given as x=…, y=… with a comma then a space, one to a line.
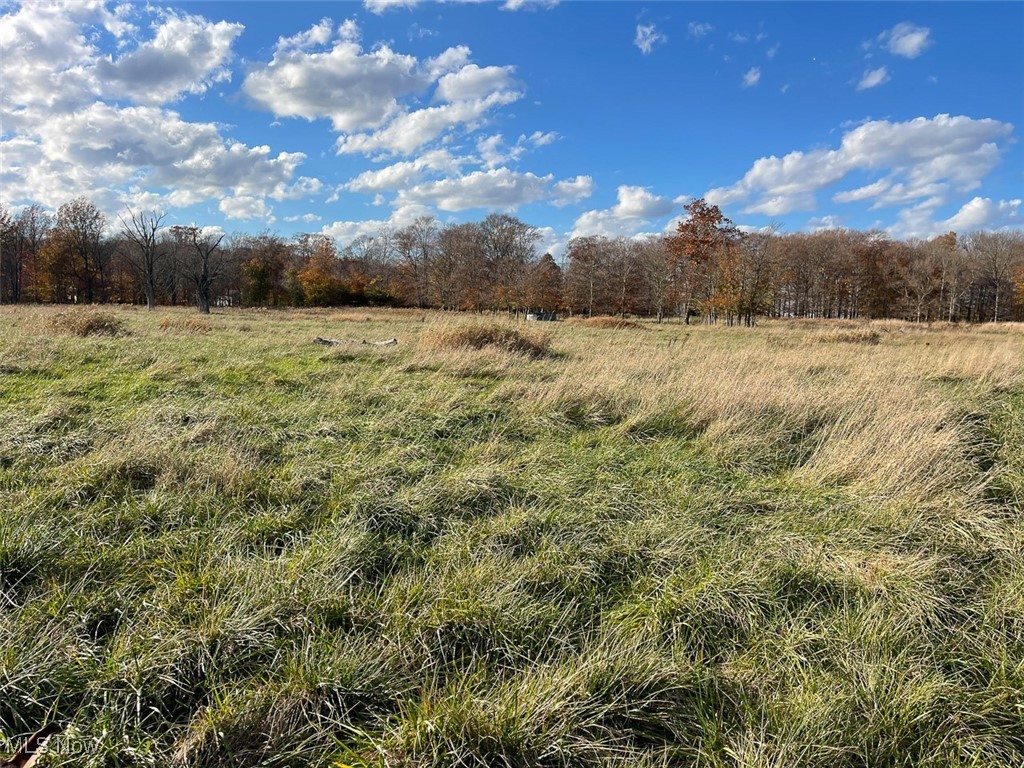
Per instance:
x=29, y=749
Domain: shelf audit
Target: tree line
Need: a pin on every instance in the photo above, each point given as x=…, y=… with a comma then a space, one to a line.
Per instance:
x=706, y=268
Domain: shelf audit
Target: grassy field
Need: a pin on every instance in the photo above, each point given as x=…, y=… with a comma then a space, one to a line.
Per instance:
x=795, y=545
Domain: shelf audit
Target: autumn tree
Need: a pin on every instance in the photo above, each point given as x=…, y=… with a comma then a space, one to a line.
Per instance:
x=705, y=234
x=10, y=269
x=321, y=279
x=586, y=283
x=74, y=252
x=544, y=285
x=508, y=246
x=459, y=279
x=417, y=245
x=263, y=261
x=33, y=227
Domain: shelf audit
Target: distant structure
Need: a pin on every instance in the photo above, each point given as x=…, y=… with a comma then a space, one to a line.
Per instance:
x=541, y=316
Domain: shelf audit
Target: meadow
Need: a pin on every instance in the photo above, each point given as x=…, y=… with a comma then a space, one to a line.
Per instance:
x=505, y=544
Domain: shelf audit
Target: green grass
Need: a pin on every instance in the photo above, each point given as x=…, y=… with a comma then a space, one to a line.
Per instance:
x=236, y=548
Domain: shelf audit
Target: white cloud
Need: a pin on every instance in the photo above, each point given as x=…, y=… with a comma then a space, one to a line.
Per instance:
x=872, y=78
x=406, y=173
x=349, y=31
x=473, y=82
x=246, y=207
x=518, y=5
x=923, y=157
x=411, y=130
x=773, y=51
x=573, y=190
x=304, y=188
x=824, y=222
x=50, y=59
x=862, y=193
x=984, y=213
x=496, y=189
x=344, y=232
x=366, y=94
x=698, y=29
x=752, y=77
x=382, y=6
x=640, y=203
x=109, y=153
x=353, y=88
x=906, y=40
x=186, y=55
x=494, y=152
x=631, y=214
x=647, y=37
x=551, y=241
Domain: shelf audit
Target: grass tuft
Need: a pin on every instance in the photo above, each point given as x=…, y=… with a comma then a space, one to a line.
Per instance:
x=867, y=336
x=185, y=325
x=498, y=337
x=87, y=323
x=611, y=323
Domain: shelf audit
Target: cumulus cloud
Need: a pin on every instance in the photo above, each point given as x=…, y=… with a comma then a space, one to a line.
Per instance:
x=573, y=190
x=473, y=82
x=984, y=213
x=647, y=38
x=978, y=213
x=411, y=130
x=367, y=95
x=51, y=60
x=406, y=173
x=519, y=5
x=246, y=207
x=382, y=6
x=105, y=151
x=186, y=55
x=752, y=77
x=631, y=214
x=353, y=88
x=68, y=132
x=344, y=232
x=494, y=151
x=919, y=158
x=872, y=78
x=495, y=189
x=906, y=39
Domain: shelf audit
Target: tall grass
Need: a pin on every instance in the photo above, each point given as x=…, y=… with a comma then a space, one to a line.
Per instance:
x=691, y=546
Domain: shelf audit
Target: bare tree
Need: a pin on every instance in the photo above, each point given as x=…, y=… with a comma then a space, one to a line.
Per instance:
x=145, y=253
x=416, y=245
x=202, y=265
x=997, y=255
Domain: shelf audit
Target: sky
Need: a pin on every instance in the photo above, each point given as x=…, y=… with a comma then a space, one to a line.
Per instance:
x=580, y=118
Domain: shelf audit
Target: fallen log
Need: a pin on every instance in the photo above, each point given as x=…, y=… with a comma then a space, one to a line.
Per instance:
x=33, y=748
x=339, y=342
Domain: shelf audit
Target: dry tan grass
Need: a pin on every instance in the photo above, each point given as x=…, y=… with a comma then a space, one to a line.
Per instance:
x=843, y=336
x=612, y=323
x=504, y=338
x=877, y=415
x=185, y=324
x=86, y=323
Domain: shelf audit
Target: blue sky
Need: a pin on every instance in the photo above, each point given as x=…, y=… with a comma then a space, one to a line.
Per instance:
x=579, y=117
